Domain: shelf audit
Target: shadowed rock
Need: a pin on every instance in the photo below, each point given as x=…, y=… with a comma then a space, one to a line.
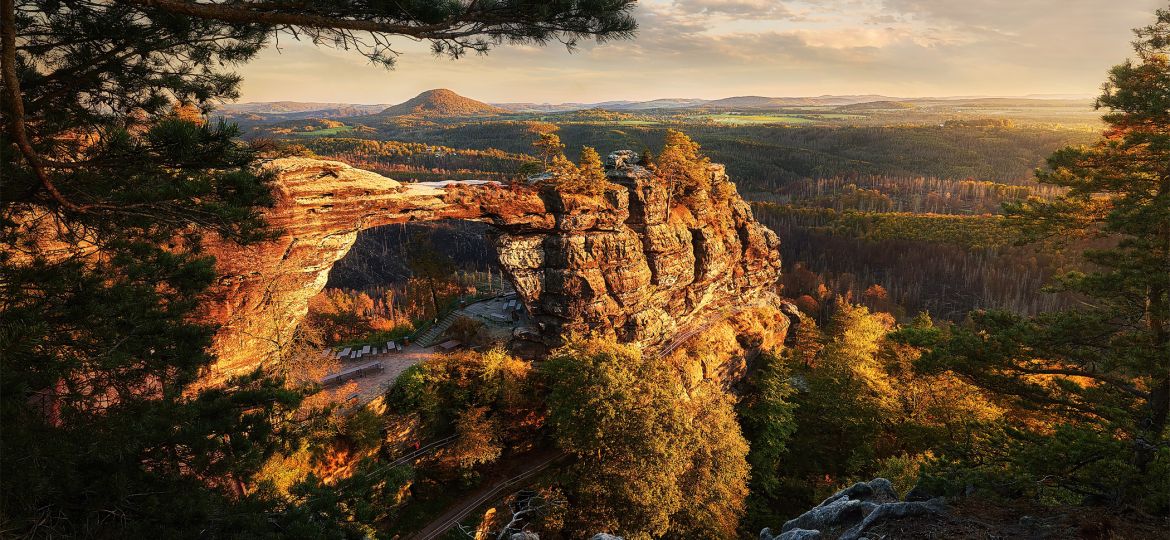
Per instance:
x=847, y=514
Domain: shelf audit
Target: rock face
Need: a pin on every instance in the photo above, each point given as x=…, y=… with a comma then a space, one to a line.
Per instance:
x=629, y=264
x=850, y=512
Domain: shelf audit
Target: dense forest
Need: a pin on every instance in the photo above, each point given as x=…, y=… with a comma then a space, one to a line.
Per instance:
x=768, y=158
x=861, y=206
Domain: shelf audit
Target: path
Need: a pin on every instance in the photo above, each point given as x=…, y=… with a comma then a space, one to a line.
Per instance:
x=373, y=385
x=681, y=338
x=530, y=464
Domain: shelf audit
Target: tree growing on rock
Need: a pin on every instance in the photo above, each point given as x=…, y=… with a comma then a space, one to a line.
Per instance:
x=682, y=166
x=549, y=148
x=592, y=171
x=587, y=177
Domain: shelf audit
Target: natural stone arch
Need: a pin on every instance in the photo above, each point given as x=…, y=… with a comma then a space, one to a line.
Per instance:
x=623, y=264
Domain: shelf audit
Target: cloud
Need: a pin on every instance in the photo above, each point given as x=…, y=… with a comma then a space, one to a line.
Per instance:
x=751, y=9
x=718, y=48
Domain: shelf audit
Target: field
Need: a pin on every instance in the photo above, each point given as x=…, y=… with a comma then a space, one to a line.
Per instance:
x=735, y=118
x=745, y=119
x=327, y=132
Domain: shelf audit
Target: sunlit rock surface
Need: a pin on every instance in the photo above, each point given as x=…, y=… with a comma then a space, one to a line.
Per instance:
x=629, y=264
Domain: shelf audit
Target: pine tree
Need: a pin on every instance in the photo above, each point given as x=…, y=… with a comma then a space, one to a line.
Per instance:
x=549, y=148
x=110, y=179
x=592, y=172
x=1103, y=369
x=682, y=166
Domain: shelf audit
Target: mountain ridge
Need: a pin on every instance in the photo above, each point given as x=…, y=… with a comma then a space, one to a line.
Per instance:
x=442, y=102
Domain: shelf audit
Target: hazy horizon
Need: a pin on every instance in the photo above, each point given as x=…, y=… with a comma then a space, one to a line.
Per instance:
x=712, y=49
x=1068, y=97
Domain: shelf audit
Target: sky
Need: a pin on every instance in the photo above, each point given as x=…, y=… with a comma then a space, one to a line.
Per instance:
x=719, y=48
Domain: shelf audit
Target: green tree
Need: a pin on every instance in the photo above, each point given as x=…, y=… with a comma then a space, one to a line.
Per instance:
x=837, y=414
x=348, y=507
x=442, y=390
x=549, y=148
x=431, y=267
x=767, y=414
x=1104, y=369
x=107, y=189
x=585, y=178
x=591, y=169
x=478, y=439
x=682, y=166
x=649, y=462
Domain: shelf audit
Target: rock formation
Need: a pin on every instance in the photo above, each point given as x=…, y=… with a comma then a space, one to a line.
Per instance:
x=630, y=263
x=850, y=512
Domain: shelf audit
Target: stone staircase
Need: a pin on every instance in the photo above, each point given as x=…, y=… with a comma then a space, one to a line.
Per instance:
x=434, y=333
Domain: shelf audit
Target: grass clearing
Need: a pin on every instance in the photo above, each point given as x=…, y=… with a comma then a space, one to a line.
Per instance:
x=746, y=119
x=327, y=132
x=778, y=118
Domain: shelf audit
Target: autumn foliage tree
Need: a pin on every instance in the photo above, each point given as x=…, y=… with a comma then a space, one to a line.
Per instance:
x=649, y=462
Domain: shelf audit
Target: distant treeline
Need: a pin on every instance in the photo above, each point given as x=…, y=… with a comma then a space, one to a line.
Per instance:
x=390, y=156
x=767, y=158
x=947, y=265
x=918, y=195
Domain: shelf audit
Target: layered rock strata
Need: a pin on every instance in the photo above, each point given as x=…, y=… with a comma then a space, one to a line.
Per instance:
x=631, y=263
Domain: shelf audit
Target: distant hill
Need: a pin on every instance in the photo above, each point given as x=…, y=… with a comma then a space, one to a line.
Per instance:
x=441, y=102
x=762, y=102
x=295, y=107
x=667, y=103
x=526, y=107
x=884, y=105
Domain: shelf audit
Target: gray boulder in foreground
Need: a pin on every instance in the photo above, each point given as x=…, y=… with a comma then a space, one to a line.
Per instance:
x=794, y=534
x=848, y=513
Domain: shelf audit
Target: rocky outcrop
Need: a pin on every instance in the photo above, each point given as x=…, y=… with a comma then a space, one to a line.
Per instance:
x=629, y=264
x=852, y=511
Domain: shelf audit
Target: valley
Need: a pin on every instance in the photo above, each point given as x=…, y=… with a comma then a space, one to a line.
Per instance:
x=805, y=179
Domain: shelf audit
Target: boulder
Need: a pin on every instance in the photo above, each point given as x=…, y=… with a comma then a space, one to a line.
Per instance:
x=847, y=514
x=794, y=534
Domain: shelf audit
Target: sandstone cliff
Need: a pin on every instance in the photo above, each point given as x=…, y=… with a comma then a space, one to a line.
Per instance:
x=630, y=263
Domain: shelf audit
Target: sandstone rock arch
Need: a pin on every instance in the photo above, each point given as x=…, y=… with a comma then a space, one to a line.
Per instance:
x=625, y=264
